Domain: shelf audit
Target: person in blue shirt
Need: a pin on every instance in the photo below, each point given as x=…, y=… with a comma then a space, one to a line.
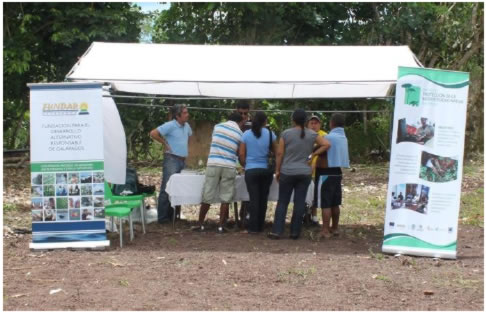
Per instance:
x=174, y=136
x=329, y=178
x=254, y=152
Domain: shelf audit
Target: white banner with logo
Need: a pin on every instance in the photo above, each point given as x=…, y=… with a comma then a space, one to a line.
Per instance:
x=67, y=165
x=424, y=188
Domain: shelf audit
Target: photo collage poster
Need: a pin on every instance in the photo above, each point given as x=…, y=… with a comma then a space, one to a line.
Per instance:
x=67, y=164
x=424, y=188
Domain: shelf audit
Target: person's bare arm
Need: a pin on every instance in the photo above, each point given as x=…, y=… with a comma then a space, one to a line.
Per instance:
x=279, y=158
x=323, y=144
x=242, y=154
x=155, y=135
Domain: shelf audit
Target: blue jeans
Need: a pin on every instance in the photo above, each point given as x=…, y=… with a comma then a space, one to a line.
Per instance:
x=171, y=165
x=288, y=184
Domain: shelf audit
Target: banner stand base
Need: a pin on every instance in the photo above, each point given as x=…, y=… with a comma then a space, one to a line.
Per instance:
x=443, y=254
x=99, y=244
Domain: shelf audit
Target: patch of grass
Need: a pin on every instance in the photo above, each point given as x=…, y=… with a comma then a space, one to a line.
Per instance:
x=172, y=241
x=467, y=283
x=383, y=278
x=124, y=283
x=8, y=207
x=361, y=207
x=377, y=256
x=457, y=280
x=472, y=208
x=149, y=170
x=300, y=274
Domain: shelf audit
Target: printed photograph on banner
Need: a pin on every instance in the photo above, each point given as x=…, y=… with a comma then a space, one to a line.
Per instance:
x=98, y=189
x=74, y=190
x=98, y=177
x=36, y=179
x=49, y=191
x=62, y=215
x=417, y=131
x=49, y=215
x=61, y=190
x=99, y=213
x=36, y=204
x=438, y=169
x=86, y=201
x=37, y=215
x=36, y=191
x=49, y=203
x=74, y=202
x=49, y=179
x=74, y=215
x=86, y=177
x=61, y=203
x=73, y=178
x=87, y=214
x=86, y=189
x=61, y=178
x=99, y=202
x=413, y=197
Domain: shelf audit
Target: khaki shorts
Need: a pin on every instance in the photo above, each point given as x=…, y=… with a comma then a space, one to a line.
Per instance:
x=222, y=179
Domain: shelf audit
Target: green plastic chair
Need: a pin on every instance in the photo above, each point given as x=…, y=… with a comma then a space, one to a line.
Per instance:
x=120, y=210
x=136, y=200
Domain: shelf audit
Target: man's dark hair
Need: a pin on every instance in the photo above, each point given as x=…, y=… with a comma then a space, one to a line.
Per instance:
x=242, y=105
x=177, y=110
x=337, y=120
x=235, y=117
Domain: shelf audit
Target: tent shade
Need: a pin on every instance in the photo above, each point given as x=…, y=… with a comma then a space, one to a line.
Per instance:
x=255, y=72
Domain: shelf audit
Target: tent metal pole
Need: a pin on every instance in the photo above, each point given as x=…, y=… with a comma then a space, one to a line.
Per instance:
x=226, y=98
x=232, y=109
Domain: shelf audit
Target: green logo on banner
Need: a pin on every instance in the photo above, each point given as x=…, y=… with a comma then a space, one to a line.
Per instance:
x=83, y=108
x=412, y=94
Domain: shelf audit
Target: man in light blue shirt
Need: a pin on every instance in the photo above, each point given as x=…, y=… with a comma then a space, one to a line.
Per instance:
x=174, y=136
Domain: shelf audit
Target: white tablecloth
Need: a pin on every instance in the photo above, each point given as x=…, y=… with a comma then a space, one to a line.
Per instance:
x=187, y=189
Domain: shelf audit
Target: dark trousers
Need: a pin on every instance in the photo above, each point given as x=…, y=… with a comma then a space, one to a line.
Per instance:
x=288, y=184
x=170, y=166
x=258, y=181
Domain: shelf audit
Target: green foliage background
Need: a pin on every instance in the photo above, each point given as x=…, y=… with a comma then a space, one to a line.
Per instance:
x=42, y=41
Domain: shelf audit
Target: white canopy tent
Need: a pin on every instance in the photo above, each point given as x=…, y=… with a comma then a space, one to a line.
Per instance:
x=247, y=72
x=250, y=72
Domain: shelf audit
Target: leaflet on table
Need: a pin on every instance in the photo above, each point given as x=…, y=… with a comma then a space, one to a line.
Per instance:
x=426, y=162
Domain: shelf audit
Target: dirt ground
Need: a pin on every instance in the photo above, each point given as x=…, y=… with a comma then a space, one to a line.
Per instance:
x=168, y=269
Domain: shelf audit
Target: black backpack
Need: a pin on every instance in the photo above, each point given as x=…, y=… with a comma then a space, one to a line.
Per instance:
x=131, y=184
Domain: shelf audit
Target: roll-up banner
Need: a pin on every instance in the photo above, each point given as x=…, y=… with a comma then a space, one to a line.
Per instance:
x=66, y=155
x=424, y=187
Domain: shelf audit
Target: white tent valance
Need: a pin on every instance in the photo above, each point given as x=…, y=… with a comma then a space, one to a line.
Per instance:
x=252, y=72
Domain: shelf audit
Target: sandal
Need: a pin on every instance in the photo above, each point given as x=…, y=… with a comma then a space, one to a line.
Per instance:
x=335, y=233
x=326, y=235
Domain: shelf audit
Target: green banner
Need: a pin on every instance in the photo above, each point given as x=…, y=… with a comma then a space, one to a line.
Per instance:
x=67, y=166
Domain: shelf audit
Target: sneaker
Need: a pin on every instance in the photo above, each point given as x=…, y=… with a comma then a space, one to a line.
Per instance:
x=198, y=228
x=221, y=230
x=294, y=237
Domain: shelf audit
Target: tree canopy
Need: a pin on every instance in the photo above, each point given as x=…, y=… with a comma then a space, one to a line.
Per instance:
x=42, y=41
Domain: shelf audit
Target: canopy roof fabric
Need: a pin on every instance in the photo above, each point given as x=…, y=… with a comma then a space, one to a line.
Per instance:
x=252, y=72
